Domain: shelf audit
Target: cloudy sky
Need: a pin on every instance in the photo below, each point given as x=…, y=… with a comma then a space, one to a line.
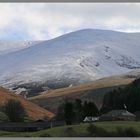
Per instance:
x=34, y=21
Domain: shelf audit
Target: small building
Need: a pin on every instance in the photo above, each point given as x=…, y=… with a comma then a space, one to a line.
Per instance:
x=90, y=119
x=118, y=115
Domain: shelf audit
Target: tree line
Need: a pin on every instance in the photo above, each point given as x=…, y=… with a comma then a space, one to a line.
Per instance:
x=75, y=111
x=123, y=98
x=127, y=98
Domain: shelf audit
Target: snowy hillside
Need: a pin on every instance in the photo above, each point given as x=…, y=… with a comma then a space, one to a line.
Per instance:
x=12, y=46
x=73, y=58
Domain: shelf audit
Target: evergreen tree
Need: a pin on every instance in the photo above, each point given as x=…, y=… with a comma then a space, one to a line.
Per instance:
x=14, y=110
x=78, y=110
x=90, y=109
x=129, y=95
x=69, y=113
x=60, y=113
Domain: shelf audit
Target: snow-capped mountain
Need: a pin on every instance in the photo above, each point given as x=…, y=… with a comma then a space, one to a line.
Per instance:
x=12, y=46
x=73, y=58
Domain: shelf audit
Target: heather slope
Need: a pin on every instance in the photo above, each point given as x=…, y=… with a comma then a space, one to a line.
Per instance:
x=33, y=110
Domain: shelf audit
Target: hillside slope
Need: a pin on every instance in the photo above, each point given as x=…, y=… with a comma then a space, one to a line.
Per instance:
x=92, y=91
x=33, y=110
x=73, y=58
x=7, y=47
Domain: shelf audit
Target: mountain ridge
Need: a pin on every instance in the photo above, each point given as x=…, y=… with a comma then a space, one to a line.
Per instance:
x=74, y=58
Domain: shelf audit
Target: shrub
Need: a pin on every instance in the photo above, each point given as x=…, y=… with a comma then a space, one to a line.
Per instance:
x=3, y=117
x=69, y=132
x=126, y=132
x=97, y=131
x=44, y=135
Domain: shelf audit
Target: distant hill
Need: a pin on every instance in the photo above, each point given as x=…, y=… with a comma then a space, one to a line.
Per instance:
x=33, y=110
x=92, y=91
x=74, y=58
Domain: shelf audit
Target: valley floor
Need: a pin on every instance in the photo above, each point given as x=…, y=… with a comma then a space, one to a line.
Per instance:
x=74, y=130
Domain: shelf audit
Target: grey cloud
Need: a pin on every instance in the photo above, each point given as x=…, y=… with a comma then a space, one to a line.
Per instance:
x=44, y=21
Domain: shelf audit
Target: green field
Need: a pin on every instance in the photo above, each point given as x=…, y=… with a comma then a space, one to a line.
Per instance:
x=78, y=129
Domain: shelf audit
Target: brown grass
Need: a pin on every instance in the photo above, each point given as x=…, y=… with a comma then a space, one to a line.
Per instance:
x=101, y=83
x=34, y=111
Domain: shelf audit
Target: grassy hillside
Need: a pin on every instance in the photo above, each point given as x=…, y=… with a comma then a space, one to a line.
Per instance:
x=79, y=130
x=101, y=83
x=34, y=111
x=93, y=91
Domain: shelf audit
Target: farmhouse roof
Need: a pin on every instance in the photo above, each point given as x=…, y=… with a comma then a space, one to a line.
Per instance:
x=119, y=113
